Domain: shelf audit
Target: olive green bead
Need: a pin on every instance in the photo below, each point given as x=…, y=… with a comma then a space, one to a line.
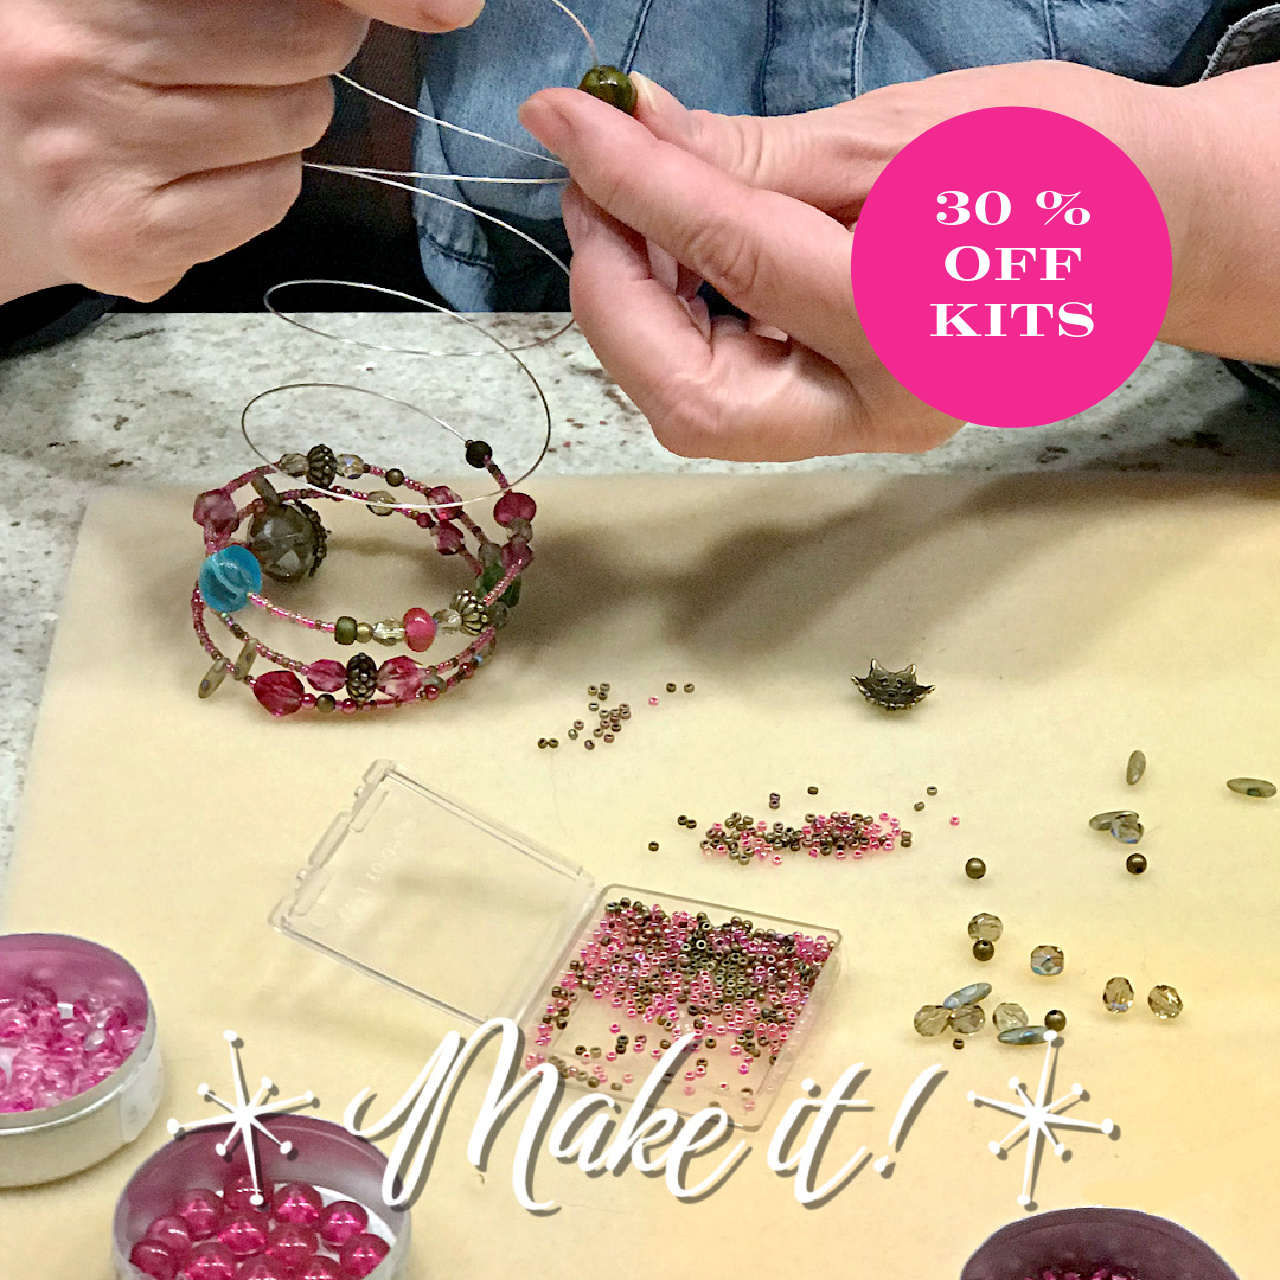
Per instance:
x=1055, y=1020
x=983, y=950
x=975, y=868
x=394, y=477
x=344, y=630
x=611, y=85
x=1135, y=864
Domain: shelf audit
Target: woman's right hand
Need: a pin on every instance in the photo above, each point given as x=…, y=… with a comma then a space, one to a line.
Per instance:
x=139, y=137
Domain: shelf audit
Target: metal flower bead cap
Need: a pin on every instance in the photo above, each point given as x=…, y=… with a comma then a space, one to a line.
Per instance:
x=892, y=690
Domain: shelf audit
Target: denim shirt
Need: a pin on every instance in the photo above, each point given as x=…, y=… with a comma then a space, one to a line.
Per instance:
x=734, y=57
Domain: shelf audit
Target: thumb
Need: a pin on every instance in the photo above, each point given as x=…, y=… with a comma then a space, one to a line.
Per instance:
x=814, y=157
x=421, y=15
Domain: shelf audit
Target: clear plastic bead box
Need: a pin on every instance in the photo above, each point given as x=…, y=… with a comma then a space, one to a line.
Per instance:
x=410, y=887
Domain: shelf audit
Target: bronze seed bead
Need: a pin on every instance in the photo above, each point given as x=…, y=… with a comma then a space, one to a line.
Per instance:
x=479, y=454
x=553, y=742
x=957, y=1043
x=975, y=868
x=325, y=702
x=394, y=477
x=364, y=632
x=983, y=950
x=1055, y=1020
x=653, y=846
x=688, y=688
x=919, y=805
x=813, y=791
x=671, y=688
x=1135, y=864
x=931, y=791
x=542, y=742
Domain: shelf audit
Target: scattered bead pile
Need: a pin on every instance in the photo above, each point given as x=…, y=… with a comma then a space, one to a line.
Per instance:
x=51, y=1051
x=741, y=987
x=295, y=1235
x=841, y=835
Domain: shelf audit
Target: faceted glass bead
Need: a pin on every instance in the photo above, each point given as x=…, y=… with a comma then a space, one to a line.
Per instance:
x=389, y=631
x=971, y=994
x=383, y=503
x=1164, y=1002
x=1023, y=1035
x=516, y=554
x=1103, y=821
x=291, y=1244
x=216, y=512
x=328, y=675
x=154, y=1260
x=1010, y=1017
x=361, y=1254
x=968, y=1019
x=1117, y=995
x=351, y=466
x=932, y=1019
x=1126, y=828
x=341, y=1220
x=445, y=501
x=229, y=577
x=447, y=619
x=293, y=464
x=984, y=927
x=213, y=679
x=499, y=613
x=284, y=541
x=1047, y=961
x=281, y=692
x=514, y=506
x=449, y=539
x=244, y=660
x=1259, y=788
x=201, y=1210
x=419, y=630
x=400, y=678
x=298, y=1203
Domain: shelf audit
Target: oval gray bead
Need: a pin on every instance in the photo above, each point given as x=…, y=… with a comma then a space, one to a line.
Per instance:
x=1259, y=788
x=1136, y=767
x=967, y=995
x=1103, y=821
x=1023, y=1035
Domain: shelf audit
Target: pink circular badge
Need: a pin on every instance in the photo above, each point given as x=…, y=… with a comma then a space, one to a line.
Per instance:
x=1011, y=267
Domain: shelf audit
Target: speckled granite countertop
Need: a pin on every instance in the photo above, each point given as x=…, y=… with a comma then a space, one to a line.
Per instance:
x=156, y=400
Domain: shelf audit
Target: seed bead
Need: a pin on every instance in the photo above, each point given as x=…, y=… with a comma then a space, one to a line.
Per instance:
x=1135, y=864
x=975, y=868
x=1055, y=1020
x=983, y=950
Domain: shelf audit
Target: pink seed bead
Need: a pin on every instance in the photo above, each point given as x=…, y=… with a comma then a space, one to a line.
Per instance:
x=341, y=1220
x=653, y=702
x=154, y=1260
x=955, y=821
x=361, y=1255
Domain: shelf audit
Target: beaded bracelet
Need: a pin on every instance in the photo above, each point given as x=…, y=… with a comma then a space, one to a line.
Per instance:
x=287, y=541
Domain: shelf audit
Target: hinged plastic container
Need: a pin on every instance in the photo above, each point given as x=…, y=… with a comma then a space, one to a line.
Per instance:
x=424, y=894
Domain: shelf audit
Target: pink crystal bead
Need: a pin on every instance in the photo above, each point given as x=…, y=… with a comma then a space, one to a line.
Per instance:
x=514, y=506
x=299, y=1203
x=328, y=675
x=419, y=630
x=281, y=692
x=201, y=1210
x=319, y=1268
x=244, y=1234
x=449, y=539
x=216, y=512
x=341, y=1220
x=291, y=1245
x=210, y=1260
x=239, y=1192
x=154, y=1260
x=262, y=1268
x=516, y=554
x=361, y=1255
x=444, y=499
x=400, y=678
x=15, y=1022
x=172, y=1232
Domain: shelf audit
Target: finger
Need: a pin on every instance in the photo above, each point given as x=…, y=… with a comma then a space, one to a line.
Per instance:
x=818, y=157
x=422, y=15
x=735, y=396
x=778, y=259
x=125, y=238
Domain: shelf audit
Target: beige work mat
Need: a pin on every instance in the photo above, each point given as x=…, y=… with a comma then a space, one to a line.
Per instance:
x=1064, y=622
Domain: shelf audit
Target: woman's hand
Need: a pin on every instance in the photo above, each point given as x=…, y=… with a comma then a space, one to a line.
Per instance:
x=138, y=137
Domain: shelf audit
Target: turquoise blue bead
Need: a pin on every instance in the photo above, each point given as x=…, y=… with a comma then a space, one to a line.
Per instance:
x=228, y=577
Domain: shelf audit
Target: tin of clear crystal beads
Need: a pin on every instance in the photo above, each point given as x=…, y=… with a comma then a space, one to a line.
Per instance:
x=984, y=927
x=1023, y=1035
x=1103, y=821
x=1047, y=961
x=971, y=994
x=389, y=631
x=1117, y=995
x=244, y=660
x=1010, y=1017
x=1135, y=768
x=1164, y=1002
x=932, y=1019
x=213, y=679
x=293, y=464
x=968, y=1019
x=1126, y=828
x=351, y=465
x=1259, y=788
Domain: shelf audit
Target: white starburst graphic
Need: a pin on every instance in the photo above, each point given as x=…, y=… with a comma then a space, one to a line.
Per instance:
x=244, y=1115
x=1039, y=1118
